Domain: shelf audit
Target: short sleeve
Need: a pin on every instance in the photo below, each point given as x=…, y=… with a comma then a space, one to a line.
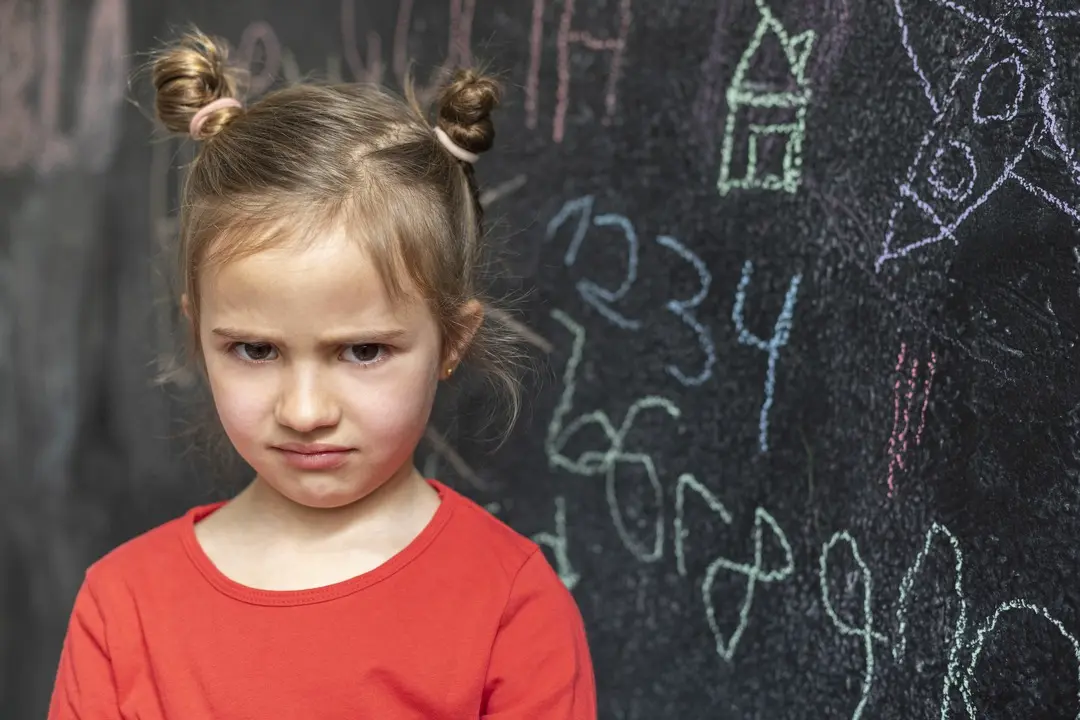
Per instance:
x=85, y=688
x=540, y=663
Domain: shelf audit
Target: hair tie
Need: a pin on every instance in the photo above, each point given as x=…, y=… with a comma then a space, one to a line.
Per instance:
x=204, y=112
x=456, y=150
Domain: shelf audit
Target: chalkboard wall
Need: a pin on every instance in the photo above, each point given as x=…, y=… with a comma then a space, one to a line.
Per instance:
x=802, y=283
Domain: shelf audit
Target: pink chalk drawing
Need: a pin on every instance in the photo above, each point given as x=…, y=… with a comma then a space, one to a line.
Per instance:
x=904, y=403
x=975, y=145
x=32, y=49
x=566, y=38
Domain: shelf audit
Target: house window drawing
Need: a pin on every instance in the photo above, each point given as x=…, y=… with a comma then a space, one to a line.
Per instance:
x=747, y=98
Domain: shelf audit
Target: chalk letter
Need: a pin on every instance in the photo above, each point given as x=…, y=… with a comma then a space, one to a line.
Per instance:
x=567, y=37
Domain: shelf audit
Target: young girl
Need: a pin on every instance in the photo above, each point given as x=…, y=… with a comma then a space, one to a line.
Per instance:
x=330, y=244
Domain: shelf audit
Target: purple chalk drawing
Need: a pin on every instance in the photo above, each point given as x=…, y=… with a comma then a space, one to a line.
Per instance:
x=975, y=145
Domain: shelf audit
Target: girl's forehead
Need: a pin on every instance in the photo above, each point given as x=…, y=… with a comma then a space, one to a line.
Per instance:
x=328, y=275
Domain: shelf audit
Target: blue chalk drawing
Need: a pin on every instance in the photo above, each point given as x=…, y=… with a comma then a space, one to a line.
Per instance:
x=599, y=297
x=781, y=333
x=683, y=309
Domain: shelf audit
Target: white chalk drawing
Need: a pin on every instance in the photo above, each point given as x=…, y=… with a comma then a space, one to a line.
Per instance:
x=957, y=674
x=988, y=627
x=952, y=671
x=559, y=544
x=745, y=96
x=781, y=333
x=866, y=632
x=979, y=145
x=754, y=573
x=607, y=462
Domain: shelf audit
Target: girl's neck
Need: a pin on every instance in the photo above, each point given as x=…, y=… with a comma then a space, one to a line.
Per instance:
x=404, y=501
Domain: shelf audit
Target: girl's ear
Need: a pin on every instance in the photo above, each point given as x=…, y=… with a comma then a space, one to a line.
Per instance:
x=185, y=306
x=470, y=317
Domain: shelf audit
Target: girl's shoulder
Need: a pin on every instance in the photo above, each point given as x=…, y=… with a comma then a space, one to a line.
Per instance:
x=148, y=556
x=475, y=530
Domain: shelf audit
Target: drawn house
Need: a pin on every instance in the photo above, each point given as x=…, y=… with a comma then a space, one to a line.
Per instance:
x=744, y=165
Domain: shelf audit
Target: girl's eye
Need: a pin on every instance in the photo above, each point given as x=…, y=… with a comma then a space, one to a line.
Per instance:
x=367, y=354
x=254, y=352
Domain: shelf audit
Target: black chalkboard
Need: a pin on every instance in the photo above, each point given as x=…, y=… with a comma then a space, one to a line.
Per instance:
x=803, y=284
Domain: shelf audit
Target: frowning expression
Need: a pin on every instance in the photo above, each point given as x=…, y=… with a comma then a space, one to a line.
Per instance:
x=323, y=382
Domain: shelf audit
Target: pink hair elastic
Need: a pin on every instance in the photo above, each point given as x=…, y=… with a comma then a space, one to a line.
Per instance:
x=456, y=150
x=211, y=107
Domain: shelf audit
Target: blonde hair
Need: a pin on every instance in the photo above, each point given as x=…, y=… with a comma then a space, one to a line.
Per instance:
x=308, y=157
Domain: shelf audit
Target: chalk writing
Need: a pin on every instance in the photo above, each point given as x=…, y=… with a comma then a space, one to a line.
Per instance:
x=866, y=631
x=957, y=675
x=372, y=70
x=602, y=298
x=566, y=38
x=684, y=311
x=952, y=671
x=687, y=481
x=30, y=134
x=726, y=646
x=745, y=96
x=558, y=542
x=606, y=463
x=985, y=154
x=988, y=626
x=260, y=48
x=459, y=53
x=781, y=333
x=905, y=399
x=599, y=297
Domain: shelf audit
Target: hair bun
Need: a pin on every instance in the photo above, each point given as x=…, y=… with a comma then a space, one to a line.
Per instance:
x=189, y=75
x=465, y=107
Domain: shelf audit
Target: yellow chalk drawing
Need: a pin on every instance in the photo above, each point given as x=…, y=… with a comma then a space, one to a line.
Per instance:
x=744, y=95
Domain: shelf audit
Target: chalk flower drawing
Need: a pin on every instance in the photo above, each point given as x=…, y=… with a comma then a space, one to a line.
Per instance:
x=745, y=97
x=975, y=144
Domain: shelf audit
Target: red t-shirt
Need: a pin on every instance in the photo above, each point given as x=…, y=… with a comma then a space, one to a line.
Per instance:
x=468, y=621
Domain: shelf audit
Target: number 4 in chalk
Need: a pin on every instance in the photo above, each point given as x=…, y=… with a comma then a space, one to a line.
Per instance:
x=781, y=333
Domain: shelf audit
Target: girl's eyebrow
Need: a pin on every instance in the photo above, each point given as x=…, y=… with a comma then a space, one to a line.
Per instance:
x=356, y=337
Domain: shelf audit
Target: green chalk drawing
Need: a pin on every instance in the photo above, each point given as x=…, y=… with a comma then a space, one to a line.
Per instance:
x=744, y=95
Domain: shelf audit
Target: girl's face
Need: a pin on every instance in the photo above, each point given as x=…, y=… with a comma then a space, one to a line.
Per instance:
x=322, y=384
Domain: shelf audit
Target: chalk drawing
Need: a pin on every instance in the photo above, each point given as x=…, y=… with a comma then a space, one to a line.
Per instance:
x=18, y=118
x=780, y=336
x=566, y=38
x=559, y=544
x=606, y=463
x=372, y=70
x=745, y=96
x=260, y=47
x=866, y=631
x=459, y=53
x=903, y=403
x=688, y=481
x=988, y=627
x=683, y=309
x=31, y=135
x=726, y=648
x=957, y=674
x=952, y=672
x=929, y=209
x=599, y=297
